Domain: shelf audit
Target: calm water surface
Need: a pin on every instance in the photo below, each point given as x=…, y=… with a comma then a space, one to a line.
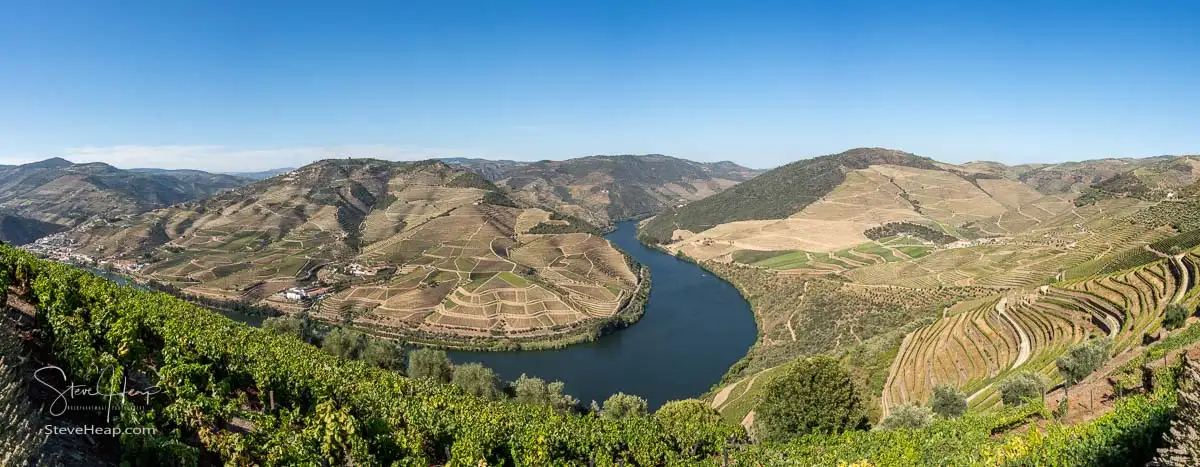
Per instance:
x=694, y=328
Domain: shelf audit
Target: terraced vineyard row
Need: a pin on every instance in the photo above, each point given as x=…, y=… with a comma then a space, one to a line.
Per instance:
x=980, y=342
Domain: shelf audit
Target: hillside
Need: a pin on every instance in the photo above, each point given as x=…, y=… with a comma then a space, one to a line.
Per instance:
x=603, y=189
x=255, y=397
x=1154, y=179
x=421, y=250
x=55, y=194
x=778, y=193
x=915, y=273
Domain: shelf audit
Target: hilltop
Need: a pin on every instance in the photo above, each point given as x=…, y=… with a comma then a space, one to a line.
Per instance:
x=44, y=197
x=603, y=189
x=421, y=250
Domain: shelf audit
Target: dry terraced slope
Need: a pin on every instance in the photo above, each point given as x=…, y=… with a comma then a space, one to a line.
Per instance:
x=455, y=256
x=917, y=273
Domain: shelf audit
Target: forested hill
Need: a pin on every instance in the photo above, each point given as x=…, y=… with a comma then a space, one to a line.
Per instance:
x=601, y=189
x=777, y=193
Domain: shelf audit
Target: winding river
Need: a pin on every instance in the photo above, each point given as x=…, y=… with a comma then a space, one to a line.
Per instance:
x=694, y=328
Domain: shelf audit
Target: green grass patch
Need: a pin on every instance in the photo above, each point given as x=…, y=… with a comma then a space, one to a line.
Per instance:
x=792, y=260
x=513, y=279
x=915, y=251
x=754, y=256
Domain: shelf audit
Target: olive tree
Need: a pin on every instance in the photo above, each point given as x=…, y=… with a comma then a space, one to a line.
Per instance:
x=477, y=379
x=621, y=405
x=285, y=325
x=345, y=343
x=814, y=395
x=384, y=354
x=1022, y=387
x=429, y=363
x=948, y=402
x=1081, y=360
x=907, y=416
x=532, y=390
x=694, y=426
x=1176, y=315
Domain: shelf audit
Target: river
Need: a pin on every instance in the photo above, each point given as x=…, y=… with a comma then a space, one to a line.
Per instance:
x=695, y=326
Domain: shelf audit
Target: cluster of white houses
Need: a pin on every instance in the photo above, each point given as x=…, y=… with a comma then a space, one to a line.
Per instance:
x=306, y=293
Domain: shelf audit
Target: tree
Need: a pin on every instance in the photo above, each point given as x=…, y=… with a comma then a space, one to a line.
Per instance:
x=1183, y=439
x=1081, y=360
x=345, y=343
x=811, y=396
x=948, y=402
x=477, y=379
x=694, y=426
x=1177, y=314
x=530, y=390
x=1022, y=387
x=285, y=325
x=429, y=363
x=907, y=416
x=621, y=405
x=384, y=354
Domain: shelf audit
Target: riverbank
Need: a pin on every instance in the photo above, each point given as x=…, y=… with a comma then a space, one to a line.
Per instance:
x=694, y=326
x=589, y=331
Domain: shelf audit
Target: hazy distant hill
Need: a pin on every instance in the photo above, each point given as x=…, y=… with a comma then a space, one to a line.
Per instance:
x=601, y=189
x=56, y=192
x=262, y=174
x=443, y=246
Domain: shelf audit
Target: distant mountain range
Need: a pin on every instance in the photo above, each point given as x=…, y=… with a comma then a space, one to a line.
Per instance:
x=602, y=189
x=43, y=197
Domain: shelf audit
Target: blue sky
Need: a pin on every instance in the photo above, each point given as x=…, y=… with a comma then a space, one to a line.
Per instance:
x=252, y=85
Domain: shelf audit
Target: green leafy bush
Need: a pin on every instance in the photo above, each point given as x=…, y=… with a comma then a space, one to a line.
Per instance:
x=948, y=402
x=907, y=416
x=1176, y=315
x=814, y=395
x=1022, y=388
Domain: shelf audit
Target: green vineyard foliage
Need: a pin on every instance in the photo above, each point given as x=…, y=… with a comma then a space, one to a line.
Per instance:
x=238, y=395
x=215, y=376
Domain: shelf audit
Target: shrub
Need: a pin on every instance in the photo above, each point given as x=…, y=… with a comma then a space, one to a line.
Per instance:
x=477, y=379
x=948, y=402
x=383, y=354
x=1177, y=314
x=693, y=426
x=1022, y=387
x=812, y=396
x=429, y=363
x=1084, y=358
x=345, y=343
x=530, y=390
x=621, y=405
x=284, y=325
x=907, y=416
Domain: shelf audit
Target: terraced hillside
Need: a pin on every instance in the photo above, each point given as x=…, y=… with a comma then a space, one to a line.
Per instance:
x=601, y=189
x=980, y=342
x=916, y=273
x=421, y=250
x=42, y=198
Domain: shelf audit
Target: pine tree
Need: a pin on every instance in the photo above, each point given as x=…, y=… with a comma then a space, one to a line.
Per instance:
x=1183, y=440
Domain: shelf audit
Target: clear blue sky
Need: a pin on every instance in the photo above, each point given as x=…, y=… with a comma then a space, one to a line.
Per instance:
x=252, y=84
